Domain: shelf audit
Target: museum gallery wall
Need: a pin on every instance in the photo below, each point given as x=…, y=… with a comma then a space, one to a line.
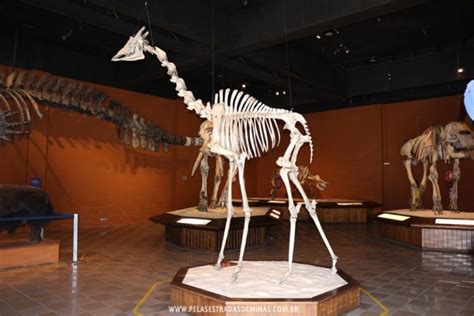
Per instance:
x=86, y=169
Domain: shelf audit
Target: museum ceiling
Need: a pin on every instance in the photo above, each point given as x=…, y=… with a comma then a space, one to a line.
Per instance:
x=332, y=54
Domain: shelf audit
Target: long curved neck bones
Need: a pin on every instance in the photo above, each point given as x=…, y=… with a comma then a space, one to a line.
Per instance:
x=134, y=50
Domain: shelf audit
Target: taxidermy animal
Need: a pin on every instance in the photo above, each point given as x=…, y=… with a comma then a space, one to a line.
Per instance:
x=454, y=141
x=19, y=89
x=306, y=178
x=24, y=201
x=242, y=128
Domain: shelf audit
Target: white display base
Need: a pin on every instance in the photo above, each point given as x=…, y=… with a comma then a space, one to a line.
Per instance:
x=427, y=213
x=218, y=212
x=261, y=279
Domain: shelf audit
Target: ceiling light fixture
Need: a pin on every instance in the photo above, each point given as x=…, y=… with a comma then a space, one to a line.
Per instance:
x=318, y=36
x=329, y=33
x=372, y=59
x=284, y=92
x=460, y=70
x=277, y=93
x=244, y=86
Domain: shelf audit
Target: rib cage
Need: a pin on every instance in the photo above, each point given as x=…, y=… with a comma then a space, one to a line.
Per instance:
x=424, y=144
x=248, y=125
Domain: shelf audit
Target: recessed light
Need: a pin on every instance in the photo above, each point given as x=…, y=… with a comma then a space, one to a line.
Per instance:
x=460, y=70
x=318, y=36
x=329, y=33
x=277, y=93
x=284, y=92
x=244, y=86
x=372, y=59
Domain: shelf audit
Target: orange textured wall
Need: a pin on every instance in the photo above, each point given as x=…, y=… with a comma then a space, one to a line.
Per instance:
x=86, y=169
x=403, y=121
x=352, y=145
x=347, y=153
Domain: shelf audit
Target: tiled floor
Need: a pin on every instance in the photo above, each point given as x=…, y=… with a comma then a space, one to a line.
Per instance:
x=119, y=264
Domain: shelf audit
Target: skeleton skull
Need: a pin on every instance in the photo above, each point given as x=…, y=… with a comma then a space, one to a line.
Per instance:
x=133, y=49
x=459, y=140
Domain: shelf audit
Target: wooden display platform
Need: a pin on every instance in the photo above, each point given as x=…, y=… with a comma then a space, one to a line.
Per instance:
x=328, y=210
x=209, y=236
x=19, y=253
x=335, y=302
x=425, y=233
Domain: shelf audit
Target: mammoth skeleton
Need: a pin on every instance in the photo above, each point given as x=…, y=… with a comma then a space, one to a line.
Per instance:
x=242, y=128
x=454, y=141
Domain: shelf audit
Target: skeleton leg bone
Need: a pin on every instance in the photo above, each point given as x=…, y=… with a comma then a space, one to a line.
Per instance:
x=294, y=211
x=437, y=207
x=230, y=213
x=285, y=167
x=414, y=186
x=311, y=207
x=204, y=174
x=422, y=187
x=247, y=213
x=453, y=192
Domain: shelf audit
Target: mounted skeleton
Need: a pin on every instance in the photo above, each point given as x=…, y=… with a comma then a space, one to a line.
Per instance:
x=242, y=128
x=202, y=161
x=454, y=141
x=23, y=89
x=15, y=117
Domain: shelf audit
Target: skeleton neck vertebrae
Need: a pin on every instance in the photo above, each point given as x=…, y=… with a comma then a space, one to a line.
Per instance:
x=242, y=128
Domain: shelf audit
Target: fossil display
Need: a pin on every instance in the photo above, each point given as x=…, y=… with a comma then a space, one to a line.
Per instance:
x=20, y=90
x=454, y=141
x=242, y=128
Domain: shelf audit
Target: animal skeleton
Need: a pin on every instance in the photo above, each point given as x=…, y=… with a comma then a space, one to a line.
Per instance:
x=205, y=132
x=305, y=177
x=20, y=87
x=454, y=141
x=243, y=128
x=16, y=119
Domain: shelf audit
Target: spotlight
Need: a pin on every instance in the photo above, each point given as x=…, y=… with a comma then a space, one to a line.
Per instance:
x=347, y=51
x=460, y=70
x=284, y=92
x=244, y=86
x=318, y=36
x=277, y=93
x=329, y=33
x=66, y=34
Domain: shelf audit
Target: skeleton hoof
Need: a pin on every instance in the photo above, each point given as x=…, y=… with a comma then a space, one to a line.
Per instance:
x=333, y=271
x=218, y=266
x=235, y=274
x=283, y=279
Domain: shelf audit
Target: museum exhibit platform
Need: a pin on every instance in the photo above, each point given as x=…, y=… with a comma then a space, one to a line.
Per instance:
x=328, y=210
x=20, y=253
x=309, y=290
x=449, y=231
x=190, y=228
